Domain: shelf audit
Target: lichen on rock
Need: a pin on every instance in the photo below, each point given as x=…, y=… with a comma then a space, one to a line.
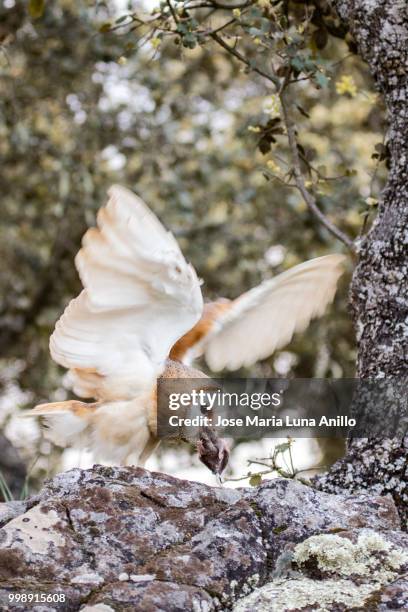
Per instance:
x=305, y=594
x=370, y=556
x=355, y=570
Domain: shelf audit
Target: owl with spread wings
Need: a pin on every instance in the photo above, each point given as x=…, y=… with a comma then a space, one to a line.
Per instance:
x=141, y=317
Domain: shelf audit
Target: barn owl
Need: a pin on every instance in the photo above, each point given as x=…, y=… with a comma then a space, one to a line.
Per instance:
x=141, y=314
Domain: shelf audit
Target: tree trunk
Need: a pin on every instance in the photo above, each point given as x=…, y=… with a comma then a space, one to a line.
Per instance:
x=379, y=291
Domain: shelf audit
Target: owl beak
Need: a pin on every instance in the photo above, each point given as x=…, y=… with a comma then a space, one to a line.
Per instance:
x=212, y=451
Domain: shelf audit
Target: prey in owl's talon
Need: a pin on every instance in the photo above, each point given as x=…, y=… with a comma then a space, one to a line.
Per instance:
x=213, y=451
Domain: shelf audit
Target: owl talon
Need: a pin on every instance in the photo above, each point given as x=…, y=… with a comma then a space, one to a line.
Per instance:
x=213, y=451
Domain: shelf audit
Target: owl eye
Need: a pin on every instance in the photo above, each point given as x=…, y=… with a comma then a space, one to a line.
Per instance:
x=178, y=269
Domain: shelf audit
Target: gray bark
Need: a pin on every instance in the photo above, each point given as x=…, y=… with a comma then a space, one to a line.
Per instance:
x=379, y=291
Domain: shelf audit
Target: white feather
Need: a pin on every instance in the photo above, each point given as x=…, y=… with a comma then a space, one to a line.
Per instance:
x=140, y=297
x=113, y=431
x=265, y=318
x=122, y=430
x=64, y=428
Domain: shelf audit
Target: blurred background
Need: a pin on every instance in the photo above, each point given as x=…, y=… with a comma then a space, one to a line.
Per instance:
x=81, y=108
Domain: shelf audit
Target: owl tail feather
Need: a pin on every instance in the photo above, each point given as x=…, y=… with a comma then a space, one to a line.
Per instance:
x=64, y=422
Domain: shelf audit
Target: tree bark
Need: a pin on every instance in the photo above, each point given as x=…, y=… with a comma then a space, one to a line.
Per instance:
x=379, y=290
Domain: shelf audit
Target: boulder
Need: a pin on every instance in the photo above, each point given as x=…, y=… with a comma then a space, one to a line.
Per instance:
x=128, y=539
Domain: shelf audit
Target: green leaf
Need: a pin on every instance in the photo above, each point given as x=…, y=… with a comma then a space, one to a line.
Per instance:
x=264, y=145
x=321, y=79
x=36, y=8
x=182, y=28
x=265, y=26
x=281, y=448
x=105, y=27
x=190, y=40
x=255, y=32
x=4, y=489
x=297, y=63
x=255, y=13
x=255, y=480
x=309, y=65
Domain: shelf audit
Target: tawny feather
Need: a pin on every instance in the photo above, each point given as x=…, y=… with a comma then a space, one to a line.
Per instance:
x=65, y=422
x=263, y=320
x=115, y=431
x=191, y=341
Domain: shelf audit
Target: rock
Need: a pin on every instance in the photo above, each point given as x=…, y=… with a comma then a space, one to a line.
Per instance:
x=155, y=596
x=394, y=596
x=129, y=539
x=305, y=594
x=290, y=512
x=11, y=509
x=358, y=570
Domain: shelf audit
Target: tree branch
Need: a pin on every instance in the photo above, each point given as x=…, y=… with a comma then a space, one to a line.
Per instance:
x=293, y=145
x=172, y=11
x=243, y=59
x=298, y=176
x=221, y=6
x=282, y=90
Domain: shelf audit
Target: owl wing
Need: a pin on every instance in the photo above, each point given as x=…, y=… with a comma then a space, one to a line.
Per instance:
x=139, y=297
x=265, y=318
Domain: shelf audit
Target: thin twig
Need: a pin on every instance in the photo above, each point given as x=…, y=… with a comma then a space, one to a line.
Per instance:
x=243, y=59
x=290, y=129
x=249, y=476
x=275, y=177
x=298, y=176
x=225, y=25
x=217, y=5
x=172, y=11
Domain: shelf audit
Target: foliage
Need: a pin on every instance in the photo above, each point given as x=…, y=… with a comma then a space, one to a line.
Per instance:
x=279, y=462
x=5, y=493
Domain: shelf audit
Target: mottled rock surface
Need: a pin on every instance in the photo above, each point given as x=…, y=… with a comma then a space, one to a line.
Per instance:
x=128, y=539
x=358, y=569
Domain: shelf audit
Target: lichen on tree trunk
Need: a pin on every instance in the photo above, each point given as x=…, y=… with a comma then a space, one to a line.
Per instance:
x=379, y=291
